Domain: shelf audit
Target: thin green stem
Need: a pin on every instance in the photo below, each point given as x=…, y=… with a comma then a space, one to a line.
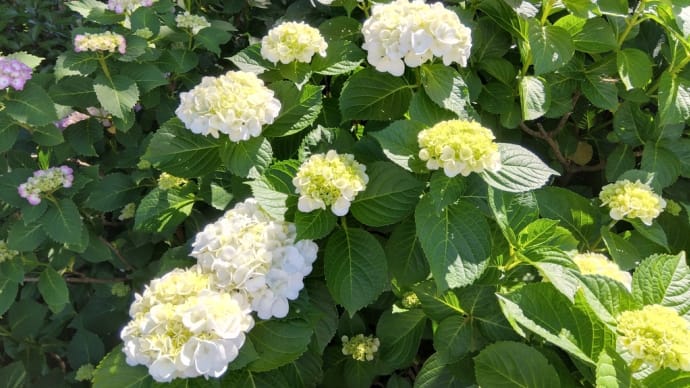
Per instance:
x=546, y=10
x=630, y=24
x=104, y=67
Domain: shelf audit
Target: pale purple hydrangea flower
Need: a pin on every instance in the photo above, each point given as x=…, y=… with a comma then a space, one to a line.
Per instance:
x=13, y=73
x=71, y=119
x=122, y=6
x=45, y=181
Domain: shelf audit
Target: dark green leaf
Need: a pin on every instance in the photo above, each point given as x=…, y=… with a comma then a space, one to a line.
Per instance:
x=247, y=158
x=446, y=88
x=521, y=170
x=299, y=108
x=514, y=364
x=74, y=91
x=535, y=97
x=32, y=105
x=580, y=216
x=113, y=372
x=551, y=47
x=664, y=280
x=399, y=143
x=423, y=110
x=634, y=68
x=400, y=333
x=600, y=91
x=25, y=238
x=53, y=289
x=315, y=224
x=117, y=95
x=596, y=36
x=161, y=211
x=62, y=222
x=372, y=95
x=674, y=99
x=341, y=57
x=112, y=192
x=406, y=261
x=278, y=343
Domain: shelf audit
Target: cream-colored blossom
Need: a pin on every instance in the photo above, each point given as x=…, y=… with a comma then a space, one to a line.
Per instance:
x=236, y=104
x=360, y=347
x=105, y=41
x=85, y=372
x=292, y=41
x=247, y=251
x=410, y=300
x=167, y=181
x=627, y=199
x=329, y=180
x=459, y=147
x=195, y=23
x=128, y=211
x=181, y=327
x=590, y=263
x=128, y=6
x=656, y=335
x=411, y=33
x=6, y=253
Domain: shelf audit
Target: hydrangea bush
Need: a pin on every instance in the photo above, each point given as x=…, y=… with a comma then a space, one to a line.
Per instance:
x=346, y=193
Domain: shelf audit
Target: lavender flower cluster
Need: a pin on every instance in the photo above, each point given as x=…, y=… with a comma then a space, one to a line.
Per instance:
x=45, y=181
x=13, y=73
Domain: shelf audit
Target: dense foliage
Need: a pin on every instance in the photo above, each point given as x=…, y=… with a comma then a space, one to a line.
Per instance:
x=347, y=193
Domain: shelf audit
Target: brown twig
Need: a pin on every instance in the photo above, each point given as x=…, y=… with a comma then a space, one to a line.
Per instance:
x=82, y=280
x=117, y=253
x=60, y=361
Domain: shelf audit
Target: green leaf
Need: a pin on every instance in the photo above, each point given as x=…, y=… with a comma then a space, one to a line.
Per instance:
x=668, y=378
x=299, y=108
x=514, y=364
x=13, y=375
x=372, y=95
x=32, y=105
x=9, y=130
x=340, y=27
x=613, y=7
x=556, y=267
x=521, y=170
x=73, y=91
x=146, y=75
x=62, y=222
x=425, y=111
x=53, y=289
x=600, y=91
x=456, y=242
x=274, y=189
x=48, y=135
x=551, y=47
x=113, y=372
x=674, y=99
x=634, y=68
x=596, y=36
x=653, y=232
x=247, y=158
x=620, y=160
x=662, y=163
x=612, y=371
x=85, y=347
x=112, y=192
x=606, y=297
x=545, y=232
x=178, y=61
x=83, y=136
x=211, y=38
x=304, y=372
x=144, y=18
x=621, y=250
x=315, y=224
x=8, y=293
x=161, y=211
x=250, y=60
x=535, y=97
x=406, y=261
x=664, y=280
x=445, y=190
x=117, y=95
x=342, y=56
x=453, y=338
x=446, y=87
x=25, y=238
x=513, y=211
x=320, y=312
x=543, y=310
x=435, y=373
x=82, y=63
x=178, y=151
x=390, y=195
x=580, y=216
x=497, y=98
x=400, y=333
x=278, y=343
x=26, y=318
x=399, y=144
x=355, y=268
x=631, y=124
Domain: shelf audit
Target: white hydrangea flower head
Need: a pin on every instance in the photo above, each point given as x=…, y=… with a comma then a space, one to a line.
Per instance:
x=591, y=263
x=329, y=180
x=360, y=347
x=181, y=327
x=236, y=104
x=104, y=41
x=459, y=147
x=292, y=41
x=128, y=6
x=195, y=23
x=247, y=251
x=657, y=336
x=627, y=199
x=411, y=33
x=167, y=181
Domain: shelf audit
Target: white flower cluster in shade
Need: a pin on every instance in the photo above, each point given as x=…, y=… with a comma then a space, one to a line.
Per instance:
x=360, y=347
x=104, y=41
x=195, y=23
x=591, y=263
x=182, y=327
x=329, y=180
x=236, y=104
x=459, y=147
x=248, y=252
x=410, y=33
x=292, y=41
x=627, y=199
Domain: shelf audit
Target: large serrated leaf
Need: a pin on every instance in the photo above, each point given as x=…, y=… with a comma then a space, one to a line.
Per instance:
x=113, y=372
x=371, y=95
x=399, y=144
x=514, y=364
x=53, y=289
x=535, y=97
x=355, y=268
x=247, y=158
x=117, y=95
x=580, y=216
x=161, y=211
x=612, y=371
x=278, y=343
x=552, y=47
x=400, y=333
x=446, y=88
x=664, y=280
x=299, y=108
x=62, y=222
x=112, y=192
x=406, y=260
x=521, y=170
x=390, y=195
x=32, y=105
x=634, y=68
x=178, y=151
x=456, y=242
x=674, y=99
